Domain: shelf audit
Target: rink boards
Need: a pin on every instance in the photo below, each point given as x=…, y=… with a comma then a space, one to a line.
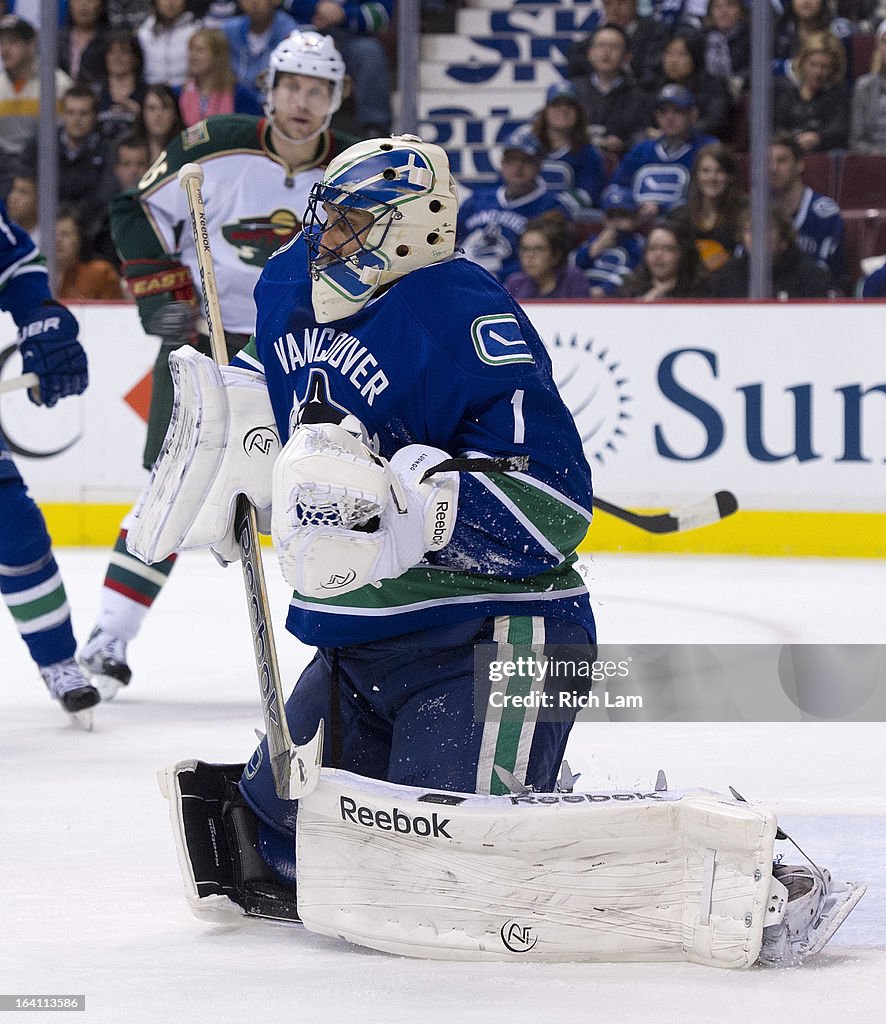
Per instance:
x=785, y=405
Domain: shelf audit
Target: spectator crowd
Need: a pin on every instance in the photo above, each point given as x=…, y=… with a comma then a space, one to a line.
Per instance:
x=131, y=75
x=641, y=155
x=631, y=180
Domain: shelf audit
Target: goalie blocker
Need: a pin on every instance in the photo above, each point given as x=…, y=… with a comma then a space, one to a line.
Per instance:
x=648, y=876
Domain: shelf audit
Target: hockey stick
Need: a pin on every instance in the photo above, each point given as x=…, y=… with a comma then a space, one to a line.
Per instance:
x=691, y=517
x=27, y=380
x=296, y=770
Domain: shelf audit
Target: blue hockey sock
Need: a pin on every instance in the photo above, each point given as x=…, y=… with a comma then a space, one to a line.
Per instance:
x=29, y=577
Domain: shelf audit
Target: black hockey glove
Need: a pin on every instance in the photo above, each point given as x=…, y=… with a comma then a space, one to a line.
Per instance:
x=175, y=323
x=49, y=347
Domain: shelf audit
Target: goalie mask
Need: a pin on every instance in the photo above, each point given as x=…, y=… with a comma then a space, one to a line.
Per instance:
x=310, y=55
x=384, y=208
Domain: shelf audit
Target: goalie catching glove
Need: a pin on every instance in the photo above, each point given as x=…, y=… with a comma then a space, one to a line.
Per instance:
x=344, y=517
x=221, y=442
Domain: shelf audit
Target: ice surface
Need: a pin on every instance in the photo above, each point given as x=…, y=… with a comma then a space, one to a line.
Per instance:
x=90, y=897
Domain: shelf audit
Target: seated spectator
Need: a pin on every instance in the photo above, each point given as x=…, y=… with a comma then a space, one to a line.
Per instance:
x=682, y=63
x=159, y=120
x=21, y=205
x=77, y=278
x=868, y=132
x=874, y=285
x=572, y=166
x=164, y=41
x=544, y=274
x=617, y=250
x=491, y=221
x=128, y=166
x=252, y=36
x=657, y=171
x=794, y=276
x=727, y=43
x=646, y=40
x=816, y=218
x=714, y=204
x=83, y=155
x=212, y=87
x=122, y=87
x=355, y=27
x=19, y=93
x=802, y=18
x=616, y=108
x=81, y=42
x=815, y=109
x=670, y=268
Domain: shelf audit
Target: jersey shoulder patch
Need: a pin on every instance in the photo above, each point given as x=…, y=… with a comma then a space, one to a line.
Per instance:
x=498, y=340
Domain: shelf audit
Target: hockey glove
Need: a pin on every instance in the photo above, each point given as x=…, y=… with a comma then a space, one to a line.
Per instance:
x=343, y=517
x=175, y=323
x=48, y=343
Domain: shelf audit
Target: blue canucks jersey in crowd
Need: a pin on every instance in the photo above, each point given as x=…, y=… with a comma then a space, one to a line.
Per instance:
x=490, y=225
x=656, y=173
x=819, y=229
x=609, y=268
x=443, y=357
x=577, y=177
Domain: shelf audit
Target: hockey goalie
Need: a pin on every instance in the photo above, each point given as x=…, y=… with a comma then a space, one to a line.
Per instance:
x=426, y=502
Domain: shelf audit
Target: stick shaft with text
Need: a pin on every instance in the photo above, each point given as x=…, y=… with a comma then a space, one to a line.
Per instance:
x=285, y=756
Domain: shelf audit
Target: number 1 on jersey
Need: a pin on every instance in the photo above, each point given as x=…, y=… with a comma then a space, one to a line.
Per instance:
x=519, y=425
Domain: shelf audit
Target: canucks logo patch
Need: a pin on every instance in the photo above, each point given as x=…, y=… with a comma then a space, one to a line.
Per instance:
x=257, y=238
x=499, y=339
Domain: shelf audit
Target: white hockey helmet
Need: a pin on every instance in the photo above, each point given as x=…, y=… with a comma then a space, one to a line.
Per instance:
x=311, y=54
x=408, y=190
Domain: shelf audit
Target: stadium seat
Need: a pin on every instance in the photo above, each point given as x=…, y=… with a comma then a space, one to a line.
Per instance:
x=864, y=235
x=862, y=51
x=862, y=181
x=820, y=173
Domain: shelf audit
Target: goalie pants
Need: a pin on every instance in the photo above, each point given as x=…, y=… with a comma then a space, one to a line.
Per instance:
x=29, y=578
x=406, y=710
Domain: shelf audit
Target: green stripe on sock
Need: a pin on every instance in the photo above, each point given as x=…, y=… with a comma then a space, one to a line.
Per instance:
x=132, y=580
x=40, y=606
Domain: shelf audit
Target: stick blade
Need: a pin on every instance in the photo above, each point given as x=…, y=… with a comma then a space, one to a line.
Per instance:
x=727, y=503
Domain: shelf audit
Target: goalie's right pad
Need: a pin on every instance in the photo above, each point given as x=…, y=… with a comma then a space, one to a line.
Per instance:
x=222, y=442
x=623, y=876
x=344, y=517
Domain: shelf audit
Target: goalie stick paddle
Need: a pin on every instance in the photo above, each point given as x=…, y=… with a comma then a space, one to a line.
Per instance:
x=27, y=380
x=296, y=770
x=691, y=517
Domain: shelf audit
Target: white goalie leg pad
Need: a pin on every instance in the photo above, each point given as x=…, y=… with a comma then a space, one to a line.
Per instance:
x=620, y=876
x=344, y=517
x=222, y=442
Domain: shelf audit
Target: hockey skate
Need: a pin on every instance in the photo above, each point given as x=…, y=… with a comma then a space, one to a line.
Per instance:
x=216, y=839
x=812, y=906
x=104, y=660
x=67, y=684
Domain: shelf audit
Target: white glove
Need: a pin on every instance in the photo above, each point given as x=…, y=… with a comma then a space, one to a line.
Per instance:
x=343, y=517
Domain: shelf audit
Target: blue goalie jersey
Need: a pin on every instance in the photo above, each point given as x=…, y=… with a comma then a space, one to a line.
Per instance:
x=443, y=357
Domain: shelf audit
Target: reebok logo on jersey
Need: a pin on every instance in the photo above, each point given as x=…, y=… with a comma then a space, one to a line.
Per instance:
x=394, y=820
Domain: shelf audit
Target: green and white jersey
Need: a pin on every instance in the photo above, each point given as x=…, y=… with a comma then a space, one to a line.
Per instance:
x=254, y=204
